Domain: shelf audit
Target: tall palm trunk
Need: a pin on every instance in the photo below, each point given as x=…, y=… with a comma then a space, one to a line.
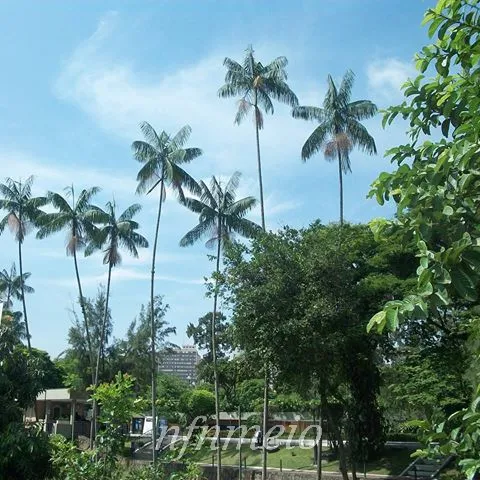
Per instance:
x=104, y=325
x=89, y=345
x=20, y=262
x=93, y=427
x=153, y=330
x=214, y=353
x=340, y=179
x=259, y=162
x=84, y=313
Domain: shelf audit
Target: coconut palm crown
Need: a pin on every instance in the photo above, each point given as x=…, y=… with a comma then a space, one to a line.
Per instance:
x=340, y=129
x=257, y=85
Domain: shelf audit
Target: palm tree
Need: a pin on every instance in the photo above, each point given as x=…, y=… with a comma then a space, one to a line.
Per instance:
x=23, y=212
x=257, y=85
x=339, y=129
x=113, y=235
x=220, y=217
x=11, y=285
x=76, y=216
x=162, y=157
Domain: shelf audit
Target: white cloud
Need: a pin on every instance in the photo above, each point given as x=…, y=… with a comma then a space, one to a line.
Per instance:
x=121, y=274
x=56, y=177
x=386, y=76
x=118, y=96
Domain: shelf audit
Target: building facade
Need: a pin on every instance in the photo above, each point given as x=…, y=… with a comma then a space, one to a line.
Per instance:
x=181, y=362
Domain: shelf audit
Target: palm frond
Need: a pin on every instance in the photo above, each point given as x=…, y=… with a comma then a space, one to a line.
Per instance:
x=143, y=151
x=130, y=212
x=361, y=110
x=264, y=101
x=150, y=135
x=279, y=90
x=360, y=137
x=56, y=200
x=345, y=90
x=195, y=205
x=53, y=223
x=149, y=175
x=241, y=207
x=190, y=154
x=6, y=189
x=35, y=203
x=276, y=68
x=197, y=232
x=232, y=184
x=244, y=107
x=244, y=227
x=181, y=137
x=139, y=241
x=232, y=65
x=207, y=196
x=230, y=90
x=249, y=63
x=331, y=95
x=309, y=113
x=315, y=141
x=3, y=223
x=83, y=202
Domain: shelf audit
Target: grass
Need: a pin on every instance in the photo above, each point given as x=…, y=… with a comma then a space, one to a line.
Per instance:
x=392, y=463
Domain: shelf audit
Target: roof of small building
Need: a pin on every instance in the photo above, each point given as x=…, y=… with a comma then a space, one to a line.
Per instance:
x=61, y=394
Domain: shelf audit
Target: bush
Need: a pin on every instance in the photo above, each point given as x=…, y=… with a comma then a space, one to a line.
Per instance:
x=24, y=453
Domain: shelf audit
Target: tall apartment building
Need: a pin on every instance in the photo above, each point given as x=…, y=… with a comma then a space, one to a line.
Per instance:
x=181, y=362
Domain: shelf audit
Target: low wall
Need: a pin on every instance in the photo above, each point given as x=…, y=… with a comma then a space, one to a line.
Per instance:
x=231, y=473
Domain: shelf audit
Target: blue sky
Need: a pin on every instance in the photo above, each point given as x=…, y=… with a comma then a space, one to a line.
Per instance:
x=79, y=77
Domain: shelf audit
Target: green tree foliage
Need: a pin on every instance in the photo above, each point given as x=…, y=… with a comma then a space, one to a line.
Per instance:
x=425, y=376
x=133, y=353
x=436, y=189
x=24, y=451
x=170, y=389
x=22, y=213
x=340, y=129
x=201, y=335
x=118, y=403
x=197, y=402
x=75, y=361
x=250, y=394
x=307, y=296
x=256, y=85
